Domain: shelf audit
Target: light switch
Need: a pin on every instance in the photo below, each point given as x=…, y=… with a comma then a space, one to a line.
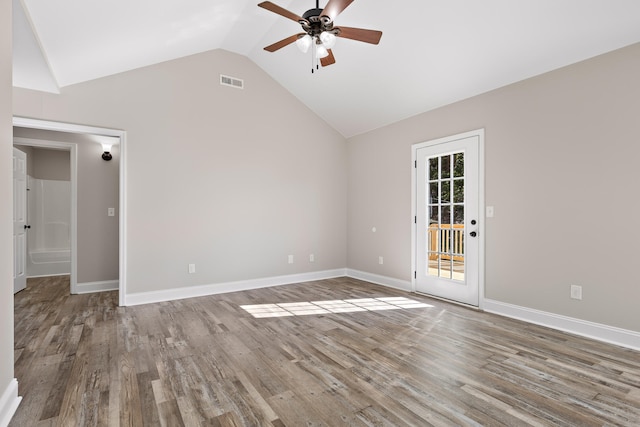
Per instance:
x=111, y=212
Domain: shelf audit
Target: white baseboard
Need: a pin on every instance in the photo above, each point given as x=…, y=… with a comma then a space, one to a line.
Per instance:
x=9, y=402
x=597, y=331
x=600, y=332
x=221, y=288
x=90, y=287
x=390, y=282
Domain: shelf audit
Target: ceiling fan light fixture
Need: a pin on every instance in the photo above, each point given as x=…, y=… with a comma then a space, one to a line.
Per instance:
x=321, y=51
x=318, y=29
x=304, y=43
x=328, y=39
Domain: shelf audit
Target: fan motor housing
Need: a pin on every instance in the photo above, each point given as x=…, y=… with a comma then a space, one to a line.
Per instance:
x=313, y=24
x=312, y=15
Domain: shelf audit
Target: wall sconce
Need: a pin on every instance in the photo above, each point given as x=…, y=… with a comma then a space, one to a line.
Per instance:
x=106, y=142
x=106, y=147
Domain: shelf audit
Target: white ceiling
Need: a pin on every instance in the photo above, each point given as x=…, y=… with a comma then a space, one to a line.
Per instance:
x=432, y=52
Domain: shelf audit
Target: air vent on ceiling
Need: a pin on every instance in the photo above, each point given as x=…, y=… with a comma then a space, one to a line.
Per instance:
x=231, y=81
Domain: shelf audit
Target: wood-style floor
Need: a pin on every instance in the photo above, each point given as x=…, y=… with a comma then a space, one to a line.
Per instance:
x=83, y=361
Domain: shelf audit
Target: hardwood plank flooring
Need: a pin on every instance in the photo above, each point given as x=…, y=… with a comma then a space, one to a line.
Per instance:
x=83, y=361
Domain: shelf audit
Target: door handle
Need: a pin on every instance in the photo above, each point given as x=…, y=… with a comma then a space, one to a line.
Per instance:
x=473, y=234
x=26, y=226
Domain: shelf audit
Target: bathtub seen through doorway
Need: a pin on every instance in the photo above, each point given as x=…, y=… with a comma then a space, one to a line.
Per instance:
x=49, y=215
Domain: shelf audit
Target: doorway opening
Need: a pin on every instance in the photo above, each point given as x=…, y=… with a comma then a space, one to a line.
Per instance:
x=120, y=136
x=50, y=196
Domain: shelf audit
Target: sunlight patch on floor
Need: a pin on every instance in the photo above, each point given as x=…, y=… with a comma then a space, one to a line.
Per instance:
x=332, y=306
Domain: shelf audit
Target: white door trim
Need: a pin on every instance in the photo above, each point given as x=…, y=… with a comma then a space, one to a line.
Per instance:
x=481, y=205
x=92, y=130
x=73, y=158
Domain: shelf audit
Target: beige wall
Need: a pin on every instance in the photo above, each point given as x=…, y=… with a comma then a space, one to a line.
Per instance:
x=44, y=163
x=51, y=164
x=98, y=190
x=561, y=170
x=231, y=180
x=6, y=209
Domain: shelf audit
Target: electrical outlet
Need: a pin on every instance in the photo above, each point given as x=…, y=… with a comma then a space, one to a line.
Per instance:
x=312, y=258
x=290, y=259
x=576, y=292
x=192, y=268
x=111, y=212
x=380, y=260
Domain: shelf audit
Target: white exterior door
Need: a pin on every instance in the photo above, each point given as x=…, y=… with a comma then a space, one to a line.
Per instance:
x=19, y=220
x=447, y=218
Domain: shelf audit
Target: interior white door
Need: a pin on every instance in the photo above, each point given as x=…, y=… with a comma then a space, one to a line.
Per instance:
x=19, y=220
x=447, y=218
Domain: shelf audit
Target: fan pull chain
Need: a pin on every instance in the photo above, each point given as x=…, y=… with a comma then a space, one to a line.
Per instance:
x=314, y=56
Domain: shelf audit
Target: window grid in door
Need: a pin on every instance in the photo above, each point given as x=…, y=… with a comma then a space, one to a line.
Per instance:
x=445, y=210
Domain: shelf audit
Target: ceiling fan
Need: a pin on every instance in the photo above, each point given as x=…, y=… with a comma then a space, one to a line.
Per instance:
x=319, y=31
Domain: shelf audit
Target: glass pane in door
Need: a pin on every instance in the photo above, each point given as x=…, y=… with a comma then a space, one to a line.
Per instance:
x=445, y=234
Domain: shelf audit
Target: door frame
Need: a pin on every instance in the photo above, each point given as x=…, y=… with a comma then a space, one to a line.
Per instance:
x=73, y=163
x=93, y=130
x=481, y=206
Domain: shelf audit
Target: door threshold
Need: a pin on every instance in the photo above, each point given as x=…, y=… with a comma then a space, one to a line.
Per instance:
x=462, y=304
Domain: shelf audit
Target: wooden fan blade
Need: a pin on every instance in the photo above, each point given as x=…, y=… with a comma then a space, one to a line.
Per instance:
x=328, y=60
x=282, y=43
x=281, y=11
x=359, y=34
x=334, y=8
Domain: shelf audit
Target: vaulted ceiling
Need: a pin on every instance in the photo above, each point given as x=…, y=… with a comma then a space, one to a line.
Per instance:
x=432, y=52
